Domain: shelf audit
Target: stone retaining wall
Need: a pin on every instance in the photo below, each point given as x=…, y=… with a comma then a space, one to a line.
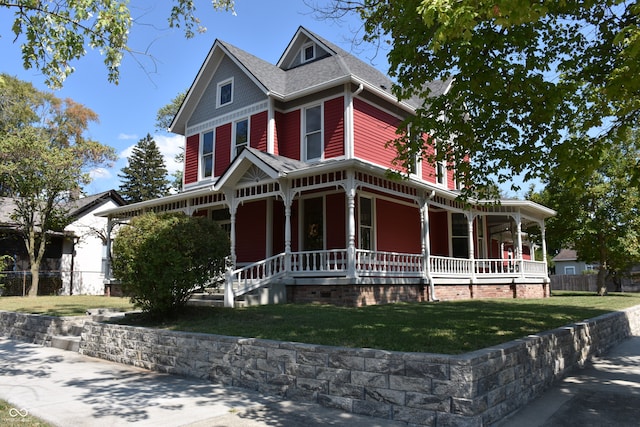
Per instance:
x=38, y=329
x=472, y=389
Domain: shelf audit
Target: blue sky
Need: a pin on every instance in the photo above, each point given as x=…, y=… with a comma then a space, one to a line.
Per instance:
x=147, y=82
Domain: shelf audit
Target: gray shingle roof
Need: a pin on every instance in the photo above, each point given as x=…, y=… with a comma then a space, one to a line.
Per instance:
x=332, y=68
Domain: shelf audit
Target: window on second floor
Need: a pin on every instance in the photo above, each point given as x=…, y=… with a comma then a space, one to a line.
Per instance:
x=241, y=138
x=313, y=133
x=207, y=154
x=225, y=93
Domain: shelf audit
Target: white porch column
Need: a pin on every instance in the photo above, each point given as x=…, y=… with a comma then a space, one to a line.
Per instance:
x=518, y=219
x=232, y=203
x=351, y=224
x=287, y=199
x=471, y=244
x=543, y=234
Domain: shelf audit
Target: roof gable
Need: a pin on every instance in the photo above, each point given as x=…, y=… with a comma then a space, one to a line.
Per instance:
x=295, y=74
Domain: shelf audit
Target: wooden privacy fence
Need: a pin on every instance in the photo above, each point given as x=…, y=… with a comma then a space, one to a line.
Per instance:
x=587, y=283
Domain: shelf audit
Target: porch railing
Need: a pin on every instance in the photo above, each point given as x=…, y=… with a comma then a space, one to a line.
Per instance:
x=334, y=263
x=391, y=264
x=319, y=263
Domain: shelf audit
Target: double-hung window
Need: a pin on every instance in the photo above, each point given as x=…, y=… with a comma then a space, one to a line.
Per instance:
x=241, y=136
x=207, y=154
x=459, y=236
x=313, y=133
x=365, y=234
x=224, y=93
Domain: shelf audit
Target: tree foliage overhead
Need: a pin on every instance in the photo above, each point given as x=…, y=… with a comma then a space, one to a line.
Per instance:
x=53, y=34
x=145, y=176
x=536, y=84
x=599, y=216
x=44, y=159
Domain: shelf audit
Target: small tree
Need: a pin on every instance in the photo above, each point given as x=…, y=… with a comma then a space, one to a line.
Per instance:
x=162, y=258
x=145, y=177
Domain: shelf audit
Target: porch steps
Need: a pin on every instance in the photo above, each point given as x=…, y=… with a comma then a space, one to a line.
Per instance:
x=206, y=299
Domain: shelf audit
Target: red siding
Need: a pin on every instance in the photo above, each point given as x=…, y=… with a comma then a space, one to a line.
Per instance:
x=278, y=227
x=223, y=149
x=258, y=137
x=439, y=233
x=334, y=128
x=191, y=153
x=428, y=168
x=373, y=128
x=335, y=221
x=451, y=179
x=289, y=135
x=251, y=231
x=397, y=227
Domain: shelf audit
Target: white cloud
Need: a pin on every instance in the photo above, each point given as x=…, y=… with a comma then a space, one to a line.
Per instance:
x=169, y=147
x=127, y=136
x=100, y=173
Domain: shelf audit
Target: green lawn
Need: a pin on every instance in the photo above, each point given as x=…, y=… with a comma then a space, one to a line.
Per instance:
x=444, y=327
x=76, y=305
x=11, y=416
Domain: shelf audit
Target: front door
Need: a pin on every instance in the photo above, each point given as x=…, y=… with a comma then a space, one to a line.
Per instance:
x=313, y=224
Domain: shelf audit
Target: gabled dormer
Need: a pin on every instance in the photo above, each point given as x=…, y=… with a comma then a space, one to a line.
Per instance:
x=303, y=48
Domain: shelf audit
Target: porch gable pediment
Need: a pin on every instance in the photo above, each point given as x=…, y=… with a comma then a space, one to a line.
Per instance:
x=253, y=166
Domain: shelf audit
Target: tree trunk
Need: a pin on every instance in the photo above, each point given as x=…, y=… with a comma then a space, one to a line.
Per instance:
x=601, y=282
x=35, y=279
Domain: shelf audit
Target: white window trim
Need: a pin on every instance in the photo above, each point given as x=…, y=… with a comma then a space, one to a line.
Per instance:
x=570, y=270
x=233, y=136
x=303, y=59
x=303, y=130
x=201, y=155
x=374, y=240
x=218, y=93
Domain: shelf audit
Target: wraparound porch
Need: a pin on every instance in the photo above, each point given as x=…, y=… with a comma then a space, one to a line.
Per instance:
x=340, y=266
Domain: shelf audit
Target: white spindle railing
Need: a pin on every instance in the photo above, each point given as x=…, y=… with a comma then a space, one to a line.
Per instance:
x=319, y=262
x=391, y=264
x=447, y=266
x=334, y=263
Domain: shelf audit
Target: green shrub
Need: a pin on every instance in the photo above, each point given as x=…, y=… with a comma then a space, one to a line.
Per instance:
x=161, y=259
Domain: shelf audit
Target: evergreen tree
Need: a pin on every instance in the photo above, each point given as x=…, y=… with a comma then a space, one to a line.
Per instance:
x=145, y=176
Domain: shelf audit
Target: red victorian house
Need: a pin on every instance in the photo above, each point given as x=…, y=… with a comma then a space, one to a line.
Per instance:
x=291, y=159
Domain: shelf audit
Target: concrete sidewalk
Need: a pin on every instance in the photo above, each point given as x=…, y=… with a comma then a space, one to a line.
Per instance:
x=70, y=390
x=606, y=393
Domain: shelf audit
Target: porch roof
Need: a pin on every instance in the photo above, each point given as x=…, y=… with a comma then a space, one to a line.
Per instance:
x=255, y=167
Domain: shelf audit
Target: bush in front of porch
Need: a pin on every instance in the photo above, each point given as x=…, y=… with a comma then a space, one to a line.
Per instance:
x=161, y=259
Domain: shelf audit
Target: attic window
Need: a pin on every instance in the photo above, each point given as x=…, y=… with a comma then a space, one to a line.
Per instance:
x=308, y=52
x=225, y=93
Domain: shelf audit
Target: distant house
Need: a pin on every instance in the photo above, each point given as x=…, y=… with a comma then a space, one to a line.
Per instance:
x=77, y=255
x=566, y=262
x=292, y=159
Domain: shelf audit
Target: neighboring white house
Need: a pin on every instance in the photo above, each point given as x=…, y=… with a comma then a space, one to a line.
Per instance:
x=77, y=255
x=84, y=250
x=566, y=263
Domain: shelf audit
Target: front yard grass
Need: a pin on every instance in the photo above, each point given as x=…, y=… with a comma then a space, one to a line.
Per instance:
x=76, y=305
x=444, y=327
